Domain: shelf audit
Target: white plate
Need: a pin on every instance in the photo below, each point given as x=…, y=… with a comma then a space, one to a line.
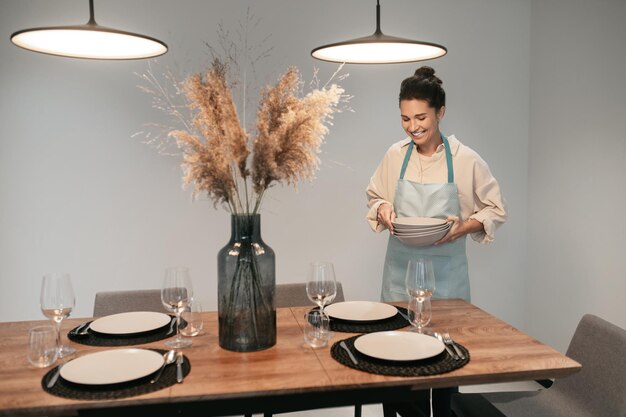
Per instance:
x=421, y=231
x=131, y=322
x=418, y=221
x=112, y=366
x=360, y=310
x=398, y=346
x=422, y=240
x=405, y=228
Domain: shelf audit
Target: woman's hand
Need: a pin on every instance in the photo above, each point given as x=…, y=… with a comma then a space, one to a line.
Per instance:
x=385, y=216
x=460, y=228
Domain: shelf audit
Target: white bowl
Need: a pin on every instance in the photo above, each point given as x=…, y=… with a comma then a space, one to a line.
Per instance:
x=422, y=239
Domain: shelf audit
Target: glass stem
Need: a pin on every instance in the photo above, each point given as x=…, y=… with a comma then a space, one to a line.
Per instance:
x=420, y=314
x=57, y=325
x=178, y=326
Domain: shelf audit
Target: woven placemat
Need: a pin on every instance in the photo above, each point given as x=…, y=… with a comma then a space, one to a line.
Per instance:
x=66, y=389
x=439, y=364
x=100, y=339
x=392, y=323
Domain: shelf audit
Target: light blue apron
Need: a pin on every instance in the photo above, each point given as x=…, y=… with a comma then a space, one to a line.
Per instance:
x=449, y=259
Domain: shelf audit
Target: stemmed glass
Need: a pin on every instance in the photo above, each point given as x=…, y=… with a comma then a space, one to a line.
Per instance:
x=321, y=286
x=176, y=293
x=57, y=301
x=420, y=286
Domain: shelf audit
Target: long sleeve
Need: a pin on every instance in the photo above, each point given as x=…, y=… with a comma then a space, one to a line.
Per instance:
x=489, y=205
x=382, y=186
x=377, y=193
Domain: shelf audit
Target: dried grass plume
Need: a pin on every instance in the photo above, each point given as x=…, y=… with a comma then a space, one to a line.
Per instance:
x=290, y=129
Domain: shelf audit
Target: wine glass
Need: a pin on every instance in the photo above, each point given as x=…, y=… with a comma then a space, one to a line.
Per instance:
x=321, y=286
x=57, y=301
x=420, y=278
x=420, y=286
x=176, y=293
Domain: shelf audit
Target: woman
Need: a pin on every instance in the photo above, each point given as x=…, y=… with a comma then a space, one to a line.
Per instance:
x=431, y=175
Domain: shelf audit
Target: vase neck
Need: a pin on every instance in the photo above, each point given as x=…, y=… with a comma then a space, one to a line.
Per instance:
x=245, y=227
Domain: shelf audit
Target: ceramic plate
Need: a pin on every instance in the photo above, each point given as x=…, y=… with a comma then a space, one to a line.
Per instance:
x=360, y=311
x=398, y=346
x=418, y=221
x=430, y=230
x=131, y=322
x=112, y=366
x=422, y=228
x=422, y=240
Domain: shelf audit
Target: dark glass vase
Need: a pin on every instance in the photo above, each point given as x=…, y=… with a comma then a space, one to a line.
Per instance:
x=246, y=286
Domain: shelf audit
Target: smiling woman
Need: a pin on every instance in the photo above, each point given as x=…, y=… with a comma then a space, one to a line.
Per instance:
x=442, y=179
x=431, y=175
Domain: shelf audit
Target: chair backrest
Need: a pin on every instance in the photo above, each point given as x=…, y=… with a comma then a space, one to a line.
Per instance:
x=112, y=302
x=294, y=295
x=600, y=347
x=596, y=390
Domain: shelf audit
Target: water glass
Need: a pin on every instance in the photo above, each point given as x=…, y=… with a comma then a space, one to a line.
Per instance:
x=191, y=319
x=420, y=312
x=42, y=346
x=316, y=329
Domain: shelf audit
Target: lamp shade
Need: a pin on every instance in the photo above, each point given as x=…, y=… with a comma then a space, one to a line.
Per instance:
x=90, y=41
x=378, y=48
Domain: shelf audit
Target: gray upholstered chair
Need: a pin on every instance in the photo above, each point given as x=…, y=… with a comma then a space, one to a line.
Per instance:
x=294, y=295
x=597, y=390
x=112, y=302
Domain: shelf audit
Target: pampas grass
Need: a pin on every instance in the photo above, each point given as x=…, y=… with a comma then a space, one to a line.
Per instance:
x=221, y=159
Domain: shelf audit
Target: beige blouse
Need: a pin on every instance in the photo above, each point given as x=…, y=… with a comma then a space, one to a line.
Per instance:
x=479, y=192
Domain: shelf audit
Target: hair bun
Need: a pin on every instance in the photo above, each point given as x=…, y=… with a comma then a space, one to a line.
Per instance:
x=427, y=73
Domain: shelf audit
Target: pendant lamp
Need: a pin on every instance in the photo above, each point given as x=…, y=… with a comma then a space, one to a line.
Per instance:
x=378, y=49
x=89, y=41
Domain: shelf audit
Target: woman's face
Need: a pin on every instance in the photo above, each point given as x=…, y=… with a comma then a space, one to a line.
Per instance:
x=421, y=122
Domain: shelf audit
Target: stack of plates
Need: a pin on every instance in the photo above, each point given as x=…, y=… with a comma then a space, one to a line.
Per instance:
x=420, y=231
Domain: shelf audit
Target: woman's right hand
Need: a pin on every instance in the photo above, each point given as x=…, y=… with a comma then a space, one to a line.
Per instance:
x=386, y=216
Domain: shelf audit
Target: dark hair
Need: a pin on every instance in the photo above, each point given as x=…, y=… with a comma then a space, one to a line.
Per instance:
x=424, y=85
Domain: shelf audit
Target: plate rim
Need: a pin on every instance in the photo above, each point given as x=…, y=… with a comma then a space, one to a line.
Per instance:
x=388, y=315
x=434, y=223
x=133, y=350
x=440, y=348
x=126, y=313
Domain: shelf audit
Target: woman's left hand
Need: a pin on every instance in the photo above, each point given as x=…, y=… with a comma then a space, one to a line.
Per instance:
x=460, y=228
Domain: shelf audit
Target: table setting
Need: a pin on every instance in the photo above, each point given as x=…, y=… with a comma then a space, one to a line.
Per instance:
x=380, y=347
x=123, y=371
x=116, y=373
x=125, y=329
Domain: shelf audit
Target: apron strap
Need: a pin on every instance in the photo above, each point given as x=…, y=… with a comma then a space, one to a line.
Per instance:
x=448, y=159
x=407, y=156
x=446, y=145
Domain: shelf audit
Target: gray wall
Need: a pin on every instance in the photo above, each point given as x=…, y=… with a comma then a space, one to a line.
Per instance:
x=78, y=194
x=577, y=166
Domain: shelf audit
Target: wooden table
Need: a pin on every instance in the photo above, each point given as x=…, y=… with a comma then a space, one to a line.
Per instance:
x=288, y=376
